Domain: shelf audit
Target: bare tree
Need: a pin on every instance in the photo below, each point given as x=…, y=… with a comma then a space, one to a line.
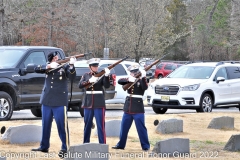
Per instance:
x=235, y=29
x=1, y=21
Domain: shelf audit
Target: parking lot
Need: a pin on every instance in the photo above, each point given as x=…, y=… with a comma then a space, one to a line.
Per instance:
x=115, y=110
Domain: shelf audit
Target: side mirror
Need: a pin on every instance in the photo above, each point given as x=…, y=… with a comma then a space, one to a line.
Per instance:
x=30, y=68
x=219, y=79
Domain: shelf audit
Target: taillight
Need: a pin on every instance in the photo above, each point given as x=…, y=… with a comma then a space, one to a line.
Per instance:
x=114, y=79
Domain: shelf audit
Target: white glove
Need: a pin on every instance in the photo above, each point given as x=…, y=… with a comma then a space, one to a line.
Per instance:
x=72, y=60
x=143, y=73
x=54, y=65
x=131, y=79
x=107, y=71
x=93, y=79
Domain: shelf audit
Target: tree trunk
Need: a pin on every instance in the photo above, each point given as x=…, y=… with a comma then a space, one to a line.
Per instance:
x=235, y=30
x=1, y=22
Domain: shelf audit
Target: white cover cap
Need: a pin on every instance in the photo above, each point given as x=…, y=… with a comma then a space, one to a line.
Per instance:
x=93, y=61
x=133, y=67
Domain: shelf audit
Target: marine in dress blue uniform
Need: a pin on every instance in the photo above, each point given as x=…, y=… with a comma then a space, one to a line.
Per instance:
x=54, y=100
x=134, y=109
x=94, y=101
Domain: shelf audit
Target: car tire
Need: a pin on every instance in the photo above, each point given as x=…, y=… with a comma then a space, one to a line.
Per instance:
x=81, y=110
x=36, y=112
x=206, y=103
x=160, y=76
x=159, y=110
x=6, y=110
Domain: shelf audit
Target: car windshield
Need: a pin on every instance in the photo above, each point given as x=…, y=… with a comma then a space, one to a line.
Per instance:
x=192, y=72
x=9, y=58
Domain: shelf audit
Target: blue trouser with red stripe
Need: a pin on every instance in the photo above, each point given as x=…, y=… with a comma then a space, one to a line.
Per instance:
x=99, y=114
x=60, y=116
x=126, y=123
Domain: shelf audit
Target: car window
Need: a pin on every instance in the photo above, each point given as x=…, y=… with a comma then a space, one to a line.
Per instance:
x=159, y=66
x=174, y=67
x=233, y=72
x=221, y=73
x=37, y=58
x=127, y=65
x=9, y=58
x=168, y=67
x=120, y=71
x=192, y=72
x=106, y=65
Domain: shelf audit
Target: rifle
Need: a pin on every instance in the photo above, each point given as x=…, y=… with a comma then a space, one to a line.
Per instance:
x=137, y=76
x=101, y=74
x=63, y=61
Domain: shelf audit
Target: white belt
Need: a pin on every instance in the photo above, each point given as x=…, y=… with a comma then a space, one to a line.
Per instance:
x=93, y=92
x=134, y=95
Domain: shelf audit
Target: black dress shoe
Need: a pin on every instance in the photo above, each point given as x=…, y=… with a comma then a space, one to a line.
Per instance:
x=62, y=154
x=117, y=147
x=40, y=149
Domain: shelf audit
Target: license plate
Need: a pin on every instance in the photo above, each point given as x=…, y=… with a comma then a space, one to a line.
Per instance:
x=165, y=98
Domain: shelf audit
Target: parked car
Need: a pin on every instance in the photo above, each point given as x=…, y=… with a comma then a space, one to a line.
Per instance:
x=199, y=86
x=163, y=69
x=121, y=72
x=20, y=89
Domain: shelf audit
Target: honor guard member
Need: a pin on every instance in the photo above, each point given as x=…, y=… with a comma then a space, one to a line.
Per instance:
x=134, y=109
x=94, y=101
x=54, y=100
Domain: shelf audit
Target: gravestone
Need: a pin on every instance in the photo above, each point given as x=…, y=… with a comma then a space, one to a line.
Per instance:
x=88, y=151
x=170, y=126
x=172, y=147
x=23, y=134
x=233, y=143
x=223, y=122
x=112, y=128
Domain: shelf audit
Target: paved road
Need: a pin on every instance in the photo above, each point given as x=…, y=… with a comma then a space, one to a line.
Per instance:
x=115, y=111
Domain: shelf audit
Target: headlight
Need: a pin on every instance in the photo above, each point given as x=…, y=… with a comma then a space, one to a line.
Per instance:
x=191, y=87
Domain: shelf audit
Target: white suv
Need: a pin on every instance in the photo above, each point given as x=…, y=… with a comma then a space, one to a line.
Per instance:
x=199, y=86
x=121, y=72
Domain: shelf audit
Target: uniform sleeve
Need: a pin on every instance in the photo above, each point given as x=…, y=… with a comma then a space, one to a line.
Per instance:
x=70, y=71
x=40, y=69
x=106, y=81
x=143, y=83
x=123, y=81
x=83, y=81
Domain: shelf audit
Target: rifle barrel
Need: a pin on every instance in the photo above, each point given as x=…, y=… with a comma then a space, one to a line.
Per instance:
x=103, y=71
x=126, y=86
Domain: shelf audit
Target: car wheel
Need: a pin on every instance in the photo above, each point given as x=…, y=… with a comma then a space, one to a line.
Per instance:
x=81, y=110
x=160, y=76
x=206, y=103
x=6, y=106
x=36, y=112
x=159, y=110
